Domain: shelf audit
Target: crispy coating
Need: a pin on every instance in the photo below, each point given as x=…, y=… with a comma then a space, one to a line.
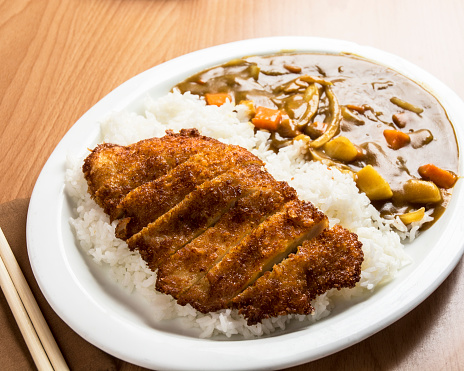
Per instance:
x=268, y=244
x=170, y=189
x=112, y=171
x=332, y=260
x=190, y=264
x=197, y=212
x=218, y=228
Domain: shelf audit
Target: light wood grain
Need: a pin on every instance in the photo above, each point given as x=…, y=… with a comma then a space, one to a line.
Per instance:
x=59, y=58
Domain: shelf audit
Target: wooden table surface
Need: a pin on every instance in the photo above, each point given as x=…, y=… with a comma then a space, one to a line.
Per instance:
x=60, y=57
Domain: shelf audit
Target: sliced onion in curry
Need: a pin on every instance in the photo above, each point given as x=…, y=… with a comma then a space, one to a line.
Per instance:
x=333, y=124
x=323, y=97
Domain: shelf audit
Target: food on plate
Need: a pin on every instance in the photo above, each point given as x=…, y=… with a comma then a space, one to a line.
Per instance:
x=113, y=171
x=268, y=244
x=267, y=118
x=321, y=263
x=231, y=210
x=236, y=186
x=373, y=184
x=442, y=178
x=164, y=186
x=352, y=113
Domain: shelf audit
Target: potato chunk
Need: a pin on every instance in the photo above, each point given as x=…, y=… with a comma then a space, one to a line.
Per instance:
x=421, y=191
x=413, y=216
x=341, y=149
x=372, y=184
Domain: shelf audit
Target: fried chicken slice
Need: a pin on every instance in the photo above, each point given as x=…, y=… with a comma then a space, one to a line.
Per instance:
x=269, y=243
x=331, y=260
x=221, y=231
x=190, y=264
x=112, y=171
x=149, y=201
x=198, y=211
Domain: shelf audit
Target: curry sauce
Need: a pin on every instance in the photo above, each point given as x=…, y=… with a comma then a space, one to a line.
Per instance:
x=353, y=113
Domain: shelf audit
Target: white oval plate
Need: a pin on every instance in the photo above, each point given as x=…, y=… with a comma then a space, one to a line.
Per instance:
x=118, y=323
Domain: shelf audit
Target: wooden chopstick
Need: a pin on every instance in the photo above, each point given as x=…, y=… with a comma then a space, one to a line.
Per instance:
x=24, y=323
x=34, y=328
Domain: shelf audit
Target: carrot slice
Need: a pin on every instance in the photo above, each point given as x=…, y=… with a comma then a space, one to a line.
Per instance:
x=292, y=68
x=396, y=139
x=217, y=99
x=353, y=107
x=442, y=178
x=267, y=118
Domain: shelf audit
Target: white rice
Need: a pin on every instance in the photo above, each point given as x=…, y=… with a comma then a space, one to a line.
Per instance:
x=335, y=193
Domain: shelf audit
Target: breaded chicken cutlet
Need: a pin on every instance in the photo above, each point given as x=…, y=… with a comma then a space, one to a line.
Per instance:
x=219, y=230
x=112, y=171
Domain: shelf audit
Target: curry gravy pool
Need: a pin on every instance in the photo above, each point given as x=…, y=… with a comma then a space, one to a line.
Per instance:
x=361, y=102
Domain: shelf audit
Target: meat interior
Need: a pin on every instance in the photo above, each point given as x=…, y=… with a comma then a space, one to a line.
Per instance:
x=219, y=230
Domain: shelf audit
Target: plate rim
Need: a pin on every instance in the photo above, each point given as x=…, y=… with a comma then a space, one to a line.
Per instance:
x=128, y=93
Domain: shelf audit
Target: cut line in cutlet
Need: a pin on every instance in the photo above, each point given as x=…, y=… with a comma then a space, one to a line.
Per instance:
x=268, y=244
x=189, y=264
x=331, y=260
x=112, y=171
x=137, y=208
x=199, y=210
x=224, y=233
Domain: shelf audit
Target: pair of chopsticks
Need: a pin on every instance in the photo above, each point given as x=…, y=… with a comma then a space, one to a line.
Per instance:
x=34, y=328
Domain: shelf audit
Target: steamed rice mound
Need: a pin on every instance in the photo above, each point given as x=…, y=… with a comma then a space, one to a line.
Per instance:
x=331, y=191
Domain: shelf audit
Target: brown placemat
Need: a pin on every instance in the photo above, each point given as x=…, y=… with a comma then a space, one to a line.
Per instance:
x=14, y=355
